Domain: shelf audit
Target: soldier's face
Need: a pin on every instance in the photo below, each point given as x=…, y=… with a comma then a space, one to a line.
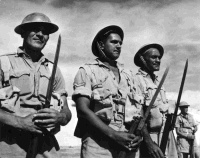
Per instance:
x=184, y=109
x=36, y=38
x=152, y=58
x=112, y=46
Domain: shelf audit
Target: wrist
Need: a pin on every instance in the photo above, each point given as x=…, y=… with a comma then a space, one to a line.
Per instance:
x=19, y=122
x=112, y=134
x=62, y=119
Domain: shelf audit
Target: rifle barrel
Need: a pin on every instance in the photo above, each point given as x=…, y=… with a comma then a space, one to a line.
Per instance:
x=179, y=94
x=170, y=122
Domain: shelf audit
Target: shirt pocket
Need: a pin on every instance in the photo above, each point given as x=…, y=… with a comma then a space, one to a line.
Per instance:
x=21, y=79
x=101, y=102
x=160, y=99
x=100, y=93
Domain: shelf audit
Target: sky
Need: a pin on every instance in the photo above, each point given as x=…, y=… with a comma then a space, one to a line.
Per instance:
x=175, y=24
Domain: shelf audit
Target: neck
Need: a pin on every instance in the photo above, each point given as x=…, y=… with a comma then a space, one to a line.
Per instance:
x=151, y=73
x=109, y=62
x=34, y=54
x=184, y=114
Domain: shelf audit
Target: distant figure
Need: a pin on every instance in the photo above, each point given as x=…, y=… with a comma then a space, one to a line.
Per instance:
x=100, y=91
x=25, y=75
x=185, y=129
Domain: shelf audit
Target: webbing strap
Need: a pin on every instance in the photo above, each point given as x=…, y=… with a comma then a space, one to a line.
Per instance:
x=5, y=65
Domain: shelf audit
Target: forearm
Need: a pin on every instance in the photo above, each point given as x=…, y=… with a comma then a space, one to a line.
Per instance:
x=83, y=110
x=10, y=119
x=97, y=123
x=65, y=114
x=65, y=117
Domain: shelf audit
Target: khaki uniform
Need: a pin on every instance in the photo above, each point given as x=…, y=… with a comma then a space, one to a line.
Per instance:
x=30, y=82
x=145, y=89
x=108, y=98
x=185, y=123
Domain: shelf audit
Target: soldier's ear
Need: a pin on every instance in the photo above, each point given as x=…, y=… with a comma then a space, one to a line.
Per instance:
x=101, y=45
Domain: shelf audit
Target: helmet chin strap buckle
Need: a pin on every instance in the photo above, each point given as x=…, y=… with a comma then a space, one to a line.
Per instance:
x=102, y=54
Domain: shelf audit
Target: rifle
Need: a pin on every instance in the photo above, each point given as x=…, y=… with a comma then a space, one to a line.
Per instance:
x=171, y=119
x=192, y=154
x=33, y=146
x=137, y=126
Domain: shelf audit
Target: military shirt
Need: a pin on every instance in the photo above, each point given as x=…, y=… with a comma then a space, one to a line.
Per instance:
x=32, y=80
x=145, y=89
x=108, y=97
x=185, y=123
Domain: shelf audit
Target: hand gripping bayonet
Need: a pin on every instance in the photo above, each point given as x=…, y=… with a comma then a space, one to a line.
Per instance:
x=33, y=146
x=136, y=127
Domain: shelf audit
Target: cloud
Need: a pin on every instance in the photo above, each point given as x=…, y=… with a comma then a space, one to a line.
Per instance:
x=37, y=1
x=191, y=97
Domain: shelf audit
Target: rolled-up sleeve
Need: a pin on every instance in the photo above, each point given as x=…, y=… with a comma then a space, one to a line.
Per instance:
x=59, y=84
x=82, y=84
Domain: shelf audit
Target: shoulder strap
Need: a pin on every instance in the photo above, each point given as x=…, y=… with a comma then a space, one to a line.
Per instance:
x=5, y=66
x=89, y=71
x=143, y=84
x=50, y=66
x=128, y=76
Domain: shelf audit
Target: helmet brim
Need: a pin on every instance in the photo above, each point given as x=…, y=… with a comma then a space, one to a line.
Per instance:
x=49, y=27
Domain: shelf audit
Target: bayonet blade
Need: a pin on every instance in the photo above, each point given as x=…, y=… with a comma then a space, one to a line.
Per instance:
x=143, y=120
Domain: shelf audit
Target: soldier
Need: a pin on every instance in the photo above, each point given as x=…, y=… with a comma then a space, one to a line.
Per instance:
x=25, y=77
x=100, y=91
x=185, y=129
x=148, y=59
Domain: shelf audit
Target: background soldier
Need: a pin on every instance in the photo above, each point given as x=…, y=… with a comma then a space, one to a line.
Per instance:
x=148, y=58
x=24, y=86
x=185, y=129
x=100, y=91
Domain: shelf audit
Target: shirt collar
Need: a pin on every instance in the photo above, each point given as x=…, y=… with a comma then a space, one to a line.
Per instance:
x=184, y=116
x=21, y=53
x=145, y=74
x=98, y=62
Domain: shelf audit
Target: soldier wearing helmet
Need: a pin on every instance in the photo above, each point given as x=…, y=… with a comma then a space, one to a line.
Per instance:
x=148, y=59
x=100, y=91
x=185, y=129
x=23, y=88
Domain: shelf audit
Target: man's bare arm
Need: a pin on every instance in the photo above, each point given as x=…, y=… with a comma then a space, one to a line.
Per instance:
x=22, y=123
x=83, y=110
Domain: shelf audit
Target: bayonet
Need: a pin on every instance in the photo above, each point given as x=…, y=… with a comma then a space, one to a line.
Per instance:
x=33, y=147
x=170, y=122
x=136, y=126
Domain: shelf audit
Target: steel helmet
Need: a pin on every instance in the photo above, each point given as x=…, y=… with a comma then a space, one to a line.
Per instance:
x=103, y=32
x=183, y=104
x=35, y=19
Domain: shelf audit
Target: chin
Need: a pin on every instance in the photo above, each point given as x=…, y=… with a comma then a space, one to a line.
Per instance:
x=156, y=68
x=37, y=47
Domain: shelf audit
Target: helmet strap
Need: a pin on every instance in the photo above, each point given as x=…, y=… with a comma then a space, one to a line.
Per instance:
x=102, y=54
